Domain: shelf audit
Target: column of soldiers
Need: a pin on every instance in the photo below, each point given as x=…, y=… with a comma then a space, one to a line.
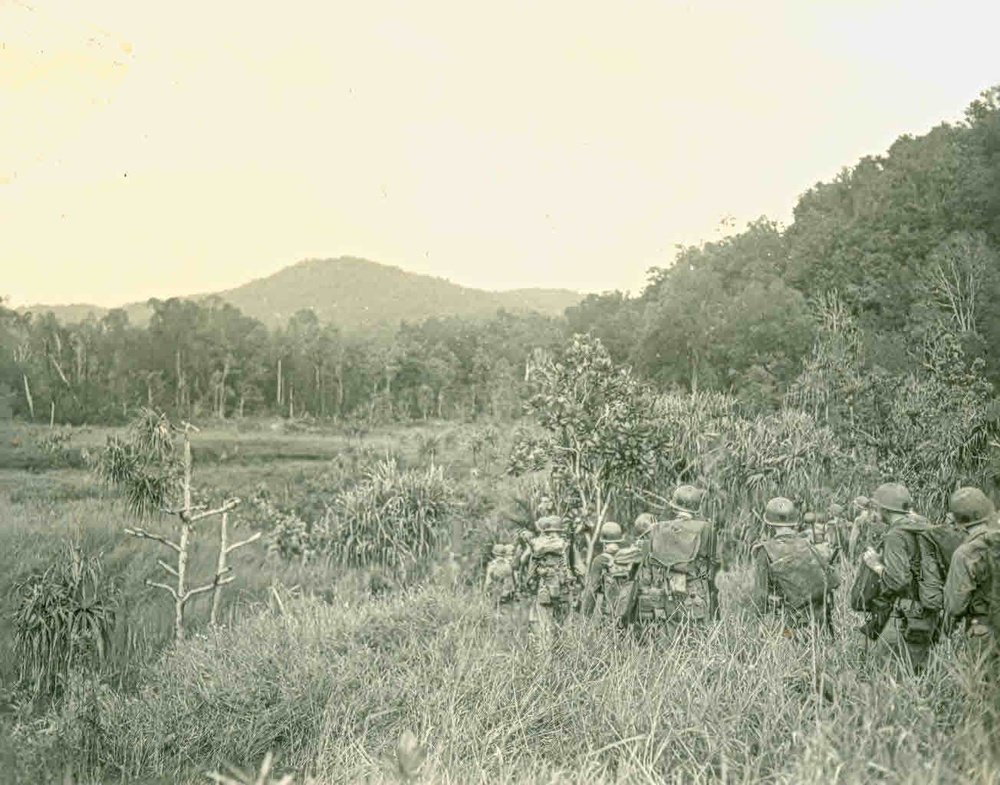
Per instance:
x=916, y=581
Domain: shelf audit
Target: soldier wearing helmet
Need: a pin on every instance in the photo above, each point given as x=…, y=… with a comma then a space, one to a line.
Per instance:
x=676, y=569
x=602, y=582
x=896, y=561
x=793, y=579
x=972, y=577
x=641, y=526
x=500, y=585
x=550, y=579
x=866, y=529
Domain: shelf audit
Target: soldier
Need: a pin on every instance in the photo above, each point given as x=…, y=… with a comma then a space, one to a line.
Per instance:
x=641, y=526
x=868, y=528
x=522, y=553
x=608, y=578
x=897, y=565
x=676, y=573
x=793, y=578
x=972, y=589
x=499, y=584
x=550, y=579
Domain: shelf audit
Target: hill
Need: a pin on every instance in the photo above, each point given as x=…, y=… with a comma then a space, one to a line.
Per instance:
x=354, y=294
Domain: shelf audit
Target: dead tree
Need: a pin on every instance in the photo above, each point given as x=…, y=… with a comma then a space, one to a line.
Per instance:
x=145, y=469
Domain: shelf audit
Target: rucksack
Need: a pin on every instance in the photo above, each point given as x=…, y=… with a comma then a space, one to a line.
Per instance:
x=674, y=545
x=937, y=544
x=800, y=574
x=933, y=549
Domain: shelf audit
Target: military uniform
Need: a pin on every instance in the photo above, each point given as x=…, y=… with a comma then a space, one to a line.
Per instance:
x=550, y=579
x=793, y=577
x=608, y=583
x=967, y=589
x=970, y=579
x=912, y=627
x=500, y=587
x=676, y=571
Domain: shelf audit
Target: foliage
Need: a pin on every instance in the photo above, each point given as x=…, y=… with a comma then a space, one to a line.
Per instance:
x=145, y=465
x=600, y=431
x=393, y=518
x=63, y=621
x=335, y=686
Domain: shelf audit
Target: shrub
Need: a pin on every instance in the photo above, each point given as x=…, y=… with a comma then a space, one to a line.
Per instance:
x=391, y=519
x=63, y=620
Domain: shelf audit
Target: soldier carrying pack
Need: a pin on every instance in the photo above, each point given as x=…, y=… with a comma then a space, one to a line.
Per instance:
x=792, y=578
x=675, y=574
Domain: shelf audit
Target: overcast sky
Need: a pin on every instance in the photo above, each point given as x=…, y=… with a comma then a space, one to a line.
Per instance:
x=156, y=149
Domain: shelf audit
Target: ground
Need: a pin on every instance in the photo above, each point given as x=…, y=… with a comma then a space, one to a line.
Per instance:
x=326, y=668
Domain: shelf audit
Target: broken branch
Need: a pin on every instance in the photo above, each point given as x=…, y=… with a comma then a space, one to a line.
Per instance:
x=142, y=534
x=230, y=548
x=173, y=592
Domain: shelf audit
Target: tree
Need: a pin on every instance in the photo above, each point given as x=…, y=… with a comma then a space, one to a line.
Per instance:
x=602, y=435
x=145, y=466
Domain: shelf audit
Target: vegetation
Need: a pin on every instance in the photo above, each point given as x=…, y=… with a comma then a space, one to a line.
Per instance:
x=813, y=361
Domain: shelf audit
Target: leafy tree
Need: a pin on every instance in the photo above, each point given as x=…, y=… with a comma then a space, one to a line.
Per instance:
x=601, y=432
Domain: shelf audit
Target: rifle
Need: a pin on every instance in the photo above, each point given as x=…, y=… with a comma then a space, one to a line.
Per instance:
x=878, y=616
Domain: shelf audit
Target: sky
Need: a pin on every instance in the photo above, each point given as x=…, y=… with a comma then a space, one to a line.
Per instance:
x=153, y=150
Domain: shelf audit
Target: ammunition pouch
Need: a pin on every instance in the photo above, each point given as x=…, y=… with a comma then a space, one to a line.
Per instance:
x=920, y=625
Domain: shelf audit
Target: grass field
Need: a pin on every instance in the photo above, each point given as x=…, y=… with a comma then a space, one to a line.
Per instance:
x=317, y=666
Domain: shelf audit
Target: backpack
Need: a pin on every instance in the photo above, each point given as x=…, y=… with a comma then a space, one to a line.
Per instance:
x=801, y=576
x=937, y=544
x=933, y=549
x=673, y=545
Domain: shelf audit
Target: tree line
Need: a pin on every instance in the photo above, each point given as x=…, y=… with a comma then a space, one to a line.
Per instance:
x=877, y=305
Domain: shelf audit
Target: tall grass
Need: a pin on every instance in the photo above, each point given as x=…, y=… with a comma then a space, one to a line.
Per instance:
x=330, y=689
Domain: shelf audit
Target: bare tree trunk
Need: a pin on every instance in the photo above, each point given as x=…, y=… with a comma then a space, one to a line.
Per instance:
x=182, y=557
x=278, y=400
x=52, y=415
x=222, y=390
x=27, y=395
x=220, y=568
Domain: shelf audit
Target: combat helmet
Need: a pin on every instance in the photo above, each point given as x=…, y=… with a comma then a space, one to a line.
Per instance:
x=970, y=506
x=835, y=510
x=611, y=532
x=499, y=549
x=781, y=512
x=550, y=524
x=643, y=523
x=892, y=496
x=687, y=498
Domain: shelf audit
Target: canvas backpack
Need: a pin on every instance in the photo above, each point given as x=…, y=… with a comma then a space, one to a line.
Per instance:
x=936, y=544
x=933, y=549
x=674, y=545
x=550, y=567
x=798, y=572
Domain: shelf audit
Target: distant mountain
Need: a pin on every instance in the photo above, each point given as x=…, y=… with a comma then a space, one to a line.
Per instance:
x=353, y=294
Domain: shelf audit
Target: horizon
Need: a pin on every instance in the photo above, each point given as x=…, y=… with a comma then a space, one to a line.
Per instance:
x=175, y=154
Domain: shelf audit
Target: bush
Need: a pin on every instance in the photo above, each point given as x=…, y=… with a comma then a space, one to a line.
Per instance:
x=392, y=519
x=63, y=621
